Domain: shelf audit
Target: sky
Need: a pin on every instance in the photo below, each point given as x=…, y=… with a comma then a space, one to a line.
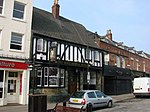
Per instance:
x=129, y=20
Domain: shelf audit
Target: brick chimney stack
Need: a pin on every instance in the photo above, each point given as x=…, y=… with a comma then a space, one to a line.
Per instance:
x=55, y=9
x=109, y=34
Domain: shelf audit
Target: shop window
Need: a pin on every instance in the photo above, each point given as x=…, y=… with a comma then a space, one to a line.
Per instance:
x=1, y=6
x=16, y=41
x=1, y=83
x=18, y=11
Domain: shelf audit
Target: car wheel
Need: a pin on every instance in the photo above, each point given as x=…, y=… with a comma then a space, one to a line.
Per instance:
x=109, y=104
x=89, y=107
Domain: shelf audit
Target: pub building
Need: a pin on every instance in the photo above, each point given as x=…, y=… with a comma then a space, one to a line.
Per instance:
x=65, y=54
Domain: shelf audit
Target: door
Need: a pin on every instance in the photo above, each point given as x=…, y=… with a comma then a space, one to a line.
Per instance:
x=101, y=100
x=13, y=88
x=72, y=82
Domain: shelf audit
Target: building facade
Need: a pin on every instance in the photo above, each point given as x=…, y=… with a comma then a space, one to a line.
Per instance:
x=15, y=34
x=65, y=56
x=123, y=62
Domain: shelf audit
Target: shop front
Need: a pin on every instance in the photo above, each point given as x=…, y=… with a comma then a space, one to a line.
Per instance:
x=14, y=82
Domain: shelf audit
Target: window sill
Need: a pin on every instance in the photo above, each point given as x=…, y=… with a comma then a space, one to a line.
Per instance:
x=19, y=51
x=1, y=15
x=20, y=20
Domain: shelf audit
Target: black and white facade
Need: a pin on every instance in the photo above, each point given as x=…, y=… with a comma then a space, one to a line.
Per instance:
x=65, y=54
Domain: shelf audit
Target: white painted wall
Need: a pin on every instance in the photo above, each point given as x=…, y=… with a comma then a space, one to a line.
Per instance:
x=9, y=24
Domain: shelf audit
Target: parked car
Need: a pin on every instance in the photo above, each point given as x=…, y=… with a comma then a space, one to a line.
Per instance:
x=90, y=99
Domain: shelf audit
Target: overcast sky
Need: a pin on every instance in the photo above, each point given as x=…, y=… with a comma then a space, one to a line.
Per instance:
x=129, y=20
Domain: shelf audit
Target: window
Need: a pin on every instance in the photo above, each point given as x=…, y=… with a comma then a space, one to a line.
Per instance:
x=16, y=41
x=1, y=6
x=41, y=45
x=39, y=77
x=118, y=61
x=0, y=38
x=91, y=95
x=53, y=77
x=88, y=54
x=18, y=11
x=99, y=94
x=96, y=55
x=123, y=62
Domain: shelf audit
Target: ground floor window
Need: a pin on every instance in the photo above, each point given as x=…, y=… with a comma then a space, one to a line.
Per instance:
x=50, y=77
x=1, y=83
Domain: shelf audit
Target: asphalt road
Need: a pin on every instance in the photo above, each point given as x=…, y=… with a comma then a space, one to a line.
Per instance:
x=132, y=105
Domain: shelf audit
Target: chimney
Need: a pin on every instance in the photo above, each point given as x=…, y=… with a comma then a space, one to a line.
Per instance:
x=55, y=9
x=109, y=34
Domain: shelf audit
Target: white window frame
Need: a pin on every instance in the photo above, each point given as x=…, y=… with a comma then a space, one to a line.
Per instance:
x=0, y=38
x=19, y=11
x=88, y=54
x=54, y=78
x=39, y=75
x=2, y=7
x=17, y=43
x=46, y=73
x=118, y=61
x=123, y=62
x=41, y=45
x=58, y=78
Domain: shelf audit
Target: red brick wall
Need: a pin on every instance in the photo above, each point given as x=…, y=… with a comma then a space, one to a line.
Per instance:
x=131, y=59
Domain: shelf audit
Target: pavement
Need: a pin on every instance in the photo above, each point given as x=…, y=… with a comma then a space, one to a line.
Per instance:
x=24, y=108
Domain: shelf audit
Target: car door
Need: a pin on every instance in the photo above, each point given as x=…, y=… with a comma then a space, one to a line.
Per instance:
x=92, y=99
x=102, y=100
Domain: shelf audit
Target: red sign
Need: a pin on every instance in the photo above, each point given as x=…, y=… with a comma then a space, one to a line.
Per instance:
x=14, y=65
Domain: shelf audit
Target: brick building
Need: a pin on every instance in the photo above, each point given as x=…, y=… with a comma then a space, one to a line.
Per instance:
x=122, y=61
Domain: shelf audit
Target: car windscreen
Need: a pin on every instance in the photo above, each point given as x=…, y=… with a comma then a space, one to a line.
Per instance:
x=78, y=95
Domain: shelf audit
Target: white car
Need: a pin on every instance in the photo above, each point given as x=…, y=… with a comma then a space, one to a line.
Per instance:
x=90, y=99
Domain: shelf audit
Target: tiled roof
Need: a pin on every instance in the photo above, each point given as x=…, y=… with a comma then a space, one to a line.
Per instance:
x=63, y=29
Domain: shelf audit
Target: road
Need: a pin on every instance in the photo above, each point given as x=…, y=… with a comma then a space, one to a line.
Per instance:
x=132, y=105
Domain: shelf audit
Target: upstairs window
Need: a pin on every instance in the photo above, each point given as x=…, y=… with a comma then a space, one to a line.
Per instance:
x=18, y=11
x=41, y=45
x=118, y=61
x=88, y=54
x=1, y=6
x=16, y=41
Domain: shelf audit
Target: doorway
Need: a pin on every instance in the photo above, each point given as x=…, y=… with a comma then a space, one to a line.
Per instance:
x=13, y=87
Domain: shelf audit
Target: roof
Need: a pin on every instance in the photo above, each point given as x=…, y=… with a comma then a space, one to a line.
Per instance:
x=44, y=23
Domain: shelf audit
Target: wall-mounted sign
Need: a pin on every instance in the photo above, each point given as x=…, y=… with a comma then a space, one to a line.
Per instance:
x=14, y=65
